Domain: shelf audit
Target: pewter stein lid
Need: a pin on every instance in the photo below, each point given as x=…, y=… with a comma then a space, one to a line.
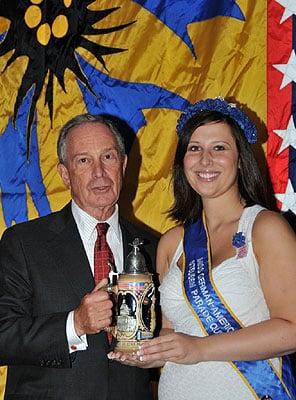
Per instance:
x=135, y=261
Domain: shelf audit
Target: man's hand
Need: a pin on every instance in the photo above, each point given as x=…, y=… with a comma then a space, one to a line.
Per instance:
x=94, y=312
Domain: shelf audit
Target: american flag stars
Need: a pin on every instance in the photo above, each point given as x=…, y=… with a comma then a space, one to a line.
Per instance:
x=281, y=153
x=290, y=8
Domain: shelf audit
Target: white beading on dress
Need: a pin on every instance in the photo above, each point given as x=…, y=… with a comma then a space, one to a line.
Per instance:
x=237, y=279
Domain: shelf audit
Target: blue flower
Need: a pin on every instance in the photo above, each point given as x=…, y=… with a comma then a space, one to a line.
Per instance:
x=238, y=240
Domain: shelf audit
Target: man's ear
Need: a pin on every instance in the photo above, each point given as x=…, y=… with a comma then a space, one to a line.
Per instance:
x=124, y=164
x=64, y=174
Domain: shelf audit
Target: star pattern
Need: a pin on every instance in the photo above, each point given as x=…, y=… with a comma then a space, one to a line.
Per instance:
x=290, y=9
x=281, y=102
x=288, y=199
x=289, y=70
x=288, y=135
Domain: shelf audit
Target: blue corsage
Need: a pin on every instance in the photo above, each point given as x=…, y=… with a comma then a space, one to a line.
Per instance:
x=239, y=242
x=238, y=239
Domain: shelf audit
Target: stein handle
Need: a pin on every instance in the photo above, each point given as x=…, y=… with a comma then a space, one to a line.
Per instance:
x=112, y=291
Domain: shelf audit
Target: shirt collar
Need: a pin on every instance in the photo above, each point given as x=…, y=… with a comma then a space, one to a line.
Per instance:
x=87, y=224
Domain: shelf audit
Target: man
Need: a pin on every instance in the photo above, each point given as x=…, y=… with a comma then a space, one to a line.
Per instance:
x=52, y=315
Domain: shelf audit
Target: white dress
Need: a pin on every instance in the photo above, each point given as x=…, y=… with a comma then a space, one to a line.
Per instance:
x=237, y=279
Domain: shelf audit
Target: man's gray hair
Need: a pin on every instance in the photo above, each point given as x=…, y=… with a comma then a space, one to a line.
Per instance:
x=88, y=118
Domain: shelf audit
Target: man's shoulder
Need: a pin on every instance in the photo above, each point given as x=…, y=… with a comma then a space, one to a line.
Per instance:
x=137, y=230
x=36, y=225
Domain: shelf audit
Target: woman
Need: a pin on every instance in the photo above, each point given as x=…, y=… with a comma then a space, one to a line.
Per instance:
x=228, y=272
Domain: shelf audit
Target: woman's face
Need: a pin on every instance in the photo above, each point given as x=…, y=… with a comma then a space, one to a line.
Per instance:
x=211, y=160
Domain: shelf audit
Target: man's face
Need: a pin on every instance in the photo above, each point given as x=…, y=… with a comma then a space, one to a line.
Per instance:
x=94, y=168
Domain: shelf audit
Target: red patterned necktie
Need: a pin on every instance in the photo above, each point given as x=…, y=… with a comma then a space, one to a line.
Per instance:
x=102, y=253
x=103, y=256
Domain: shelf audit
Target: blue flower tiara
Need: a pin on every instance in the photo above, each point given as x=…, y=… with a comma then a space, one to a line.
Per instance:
x=220, y=105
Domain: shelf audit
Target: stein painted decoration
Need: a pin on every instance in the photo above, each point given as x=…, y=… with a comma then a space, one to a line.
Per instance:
x=135, y=302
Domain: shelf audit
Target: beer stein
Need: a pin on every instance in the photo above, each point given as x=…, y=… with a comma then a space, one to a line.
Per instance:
x=134, y=302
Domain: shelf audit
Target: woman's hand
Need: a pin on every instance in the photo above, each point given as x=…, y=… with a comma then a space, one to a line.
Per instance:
x=133, y=360
x=175, y=347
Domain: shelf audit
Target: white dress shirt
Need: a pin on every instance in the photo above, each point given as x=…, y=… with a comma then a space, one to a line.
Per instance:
x=86, y=225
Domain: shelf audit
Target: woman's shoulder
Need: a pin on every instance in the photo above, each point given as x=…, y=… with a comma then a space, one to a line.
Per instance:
x=167, y=247
x=271, y=227
x=171, y=238
x=274, y=245
x=269, y=219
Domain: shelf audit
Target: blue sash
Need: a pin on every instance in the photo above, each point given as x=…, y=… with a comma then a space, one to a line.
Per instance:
x=215, y=317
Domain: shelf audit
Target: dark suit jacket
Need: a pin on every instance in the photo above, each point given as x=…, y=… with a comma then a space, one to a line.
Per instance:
x=44, y=273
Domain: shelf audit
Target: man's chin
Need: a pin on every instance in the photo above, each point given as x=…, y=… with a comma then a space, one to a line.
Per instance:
x=104, y=205
x=100, y=211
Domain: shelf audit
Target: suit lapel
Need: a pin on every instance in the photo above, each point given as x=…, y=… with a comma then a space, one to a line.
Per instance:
x=68, y=251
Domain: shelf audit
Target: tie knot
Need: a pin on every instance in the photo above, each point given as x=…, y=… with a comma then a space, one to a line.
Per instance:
x=102, y=228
